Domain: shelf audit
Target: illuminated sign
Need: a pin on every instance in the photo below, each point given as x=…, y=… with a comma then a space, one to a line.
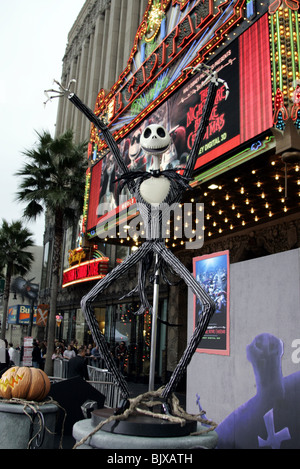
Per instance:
x=86, y=271
x=246, y=113
x=76, y=255
x=169, y=49
x=189, y=39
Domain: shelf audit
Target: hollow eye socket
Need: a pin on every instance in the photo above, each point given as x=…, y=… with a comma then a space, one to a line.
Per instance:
x=147, y=132
x=161, y=132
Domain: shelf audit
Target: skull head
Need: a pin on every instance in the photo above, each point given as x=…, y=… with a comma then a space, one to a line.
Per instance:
x=155, y=139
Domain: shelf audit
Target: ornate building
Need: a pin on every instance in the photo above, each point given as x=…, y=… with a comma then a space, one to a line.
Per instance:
x=130, y=63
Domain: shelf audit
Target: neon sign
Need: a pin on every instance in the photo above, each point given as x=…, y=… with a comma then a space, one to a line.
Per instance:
x=167, y=51
x=245, y=114
x=201, y=26
x=86, y=271
x=76, y=255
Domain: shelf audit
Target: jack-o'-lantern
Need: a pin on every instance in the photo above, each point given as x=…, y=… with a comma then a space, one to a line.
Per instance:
x=31, y=384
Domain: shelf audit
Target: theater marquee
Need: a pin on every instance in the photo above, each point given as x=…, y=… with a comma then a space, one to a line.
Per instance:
x=246, y=113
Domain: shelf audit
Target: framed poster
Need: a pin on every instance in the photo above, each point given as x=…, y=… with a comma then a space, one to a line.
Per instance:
x=212, y=272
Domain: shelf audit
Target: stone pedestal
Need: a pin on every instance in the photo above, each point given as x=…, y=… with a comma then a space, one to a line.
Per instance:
x=16, y=428
x=108, y=440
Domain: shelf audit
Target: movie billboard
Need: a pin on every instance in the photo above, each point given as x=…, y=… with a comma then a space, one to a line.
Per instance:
x=212, y=272
x=236, y=117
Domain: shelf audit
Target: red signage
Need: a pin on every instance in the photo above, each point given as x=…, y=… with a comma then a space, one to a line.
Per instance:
x=86, y=271
x=189, y=28
x=246, y=113
x=194, y=37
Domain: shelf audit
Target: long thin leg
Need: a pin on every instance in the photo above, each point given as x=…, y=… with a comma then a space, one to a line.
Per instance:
x=87, y=309
x=208, y=307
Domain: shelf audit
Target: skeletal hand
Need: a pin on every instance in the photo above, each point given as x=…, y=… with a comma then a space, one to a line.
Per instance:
x=61, y=92
x=212, y=76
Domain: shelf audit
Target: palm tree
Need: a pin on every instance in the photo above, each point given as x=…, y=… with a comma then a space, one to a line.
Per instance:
x=14, y=255
x=53, y=181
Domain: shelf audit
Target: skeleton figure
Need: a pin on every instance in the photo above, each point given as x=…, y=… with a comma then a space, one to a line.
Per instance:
x=152, y=190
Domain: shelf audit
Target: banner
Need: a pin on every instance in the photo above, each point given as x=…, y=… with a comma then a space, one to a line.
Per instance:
x=20, y=314
x=242, y=115
x=42, y=315
x=212, y=272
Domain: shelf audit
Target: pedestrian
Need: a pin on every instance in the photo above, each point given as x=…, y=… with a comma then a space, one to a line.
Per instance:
x=12, y=354
x=69, y=353
x=77, y=365
x=57, y=354
x=36, y=355
x=4, y=362
x=121, y=355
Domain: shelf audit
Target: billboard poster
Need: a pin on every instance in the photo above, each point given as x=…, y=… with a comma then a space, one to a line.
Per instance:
x=180, y=115
x=245, y=113
x=12, y=315
x=24, y=312
x=186, y=106
x=212, y=272
x=20, y=314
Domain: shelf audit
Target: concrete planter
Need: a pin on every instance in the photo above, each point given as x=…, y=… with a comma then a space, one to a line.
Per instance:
x=106, y=440
x=17, y=428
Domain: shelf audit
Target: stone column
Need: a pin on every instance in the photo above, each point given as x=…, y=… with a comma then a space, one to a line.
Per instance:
x=112, y=45
x=68, y=120
x=122, y=40
x=98, y=43
x=82, y=72
x=105, y=43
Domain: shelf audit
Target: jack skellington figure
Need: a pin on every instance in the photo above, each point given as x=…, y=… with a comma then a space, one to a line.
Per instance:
x=153, y=191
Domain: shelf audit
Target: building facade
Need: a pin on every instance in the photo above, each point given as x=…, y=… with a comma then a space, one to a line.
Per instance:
x=244, y=197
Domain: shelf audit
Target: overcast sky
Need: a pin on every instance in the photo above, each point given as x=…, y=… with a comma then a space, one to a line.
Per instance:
x=33, y=38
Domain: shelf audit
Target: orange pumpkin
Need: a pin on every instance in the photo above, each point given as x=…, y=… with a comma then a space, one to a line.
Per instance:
x=31, y=384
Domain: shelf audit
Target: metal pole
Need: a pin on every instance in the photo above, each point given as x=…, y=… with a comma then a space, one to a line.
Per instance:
x=29, y=329
x=154, y=326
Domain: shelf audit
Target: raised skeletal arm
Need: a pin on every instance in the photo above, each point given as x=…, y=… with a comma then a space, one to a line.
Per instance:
x=214, y=81
x=107, y=135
